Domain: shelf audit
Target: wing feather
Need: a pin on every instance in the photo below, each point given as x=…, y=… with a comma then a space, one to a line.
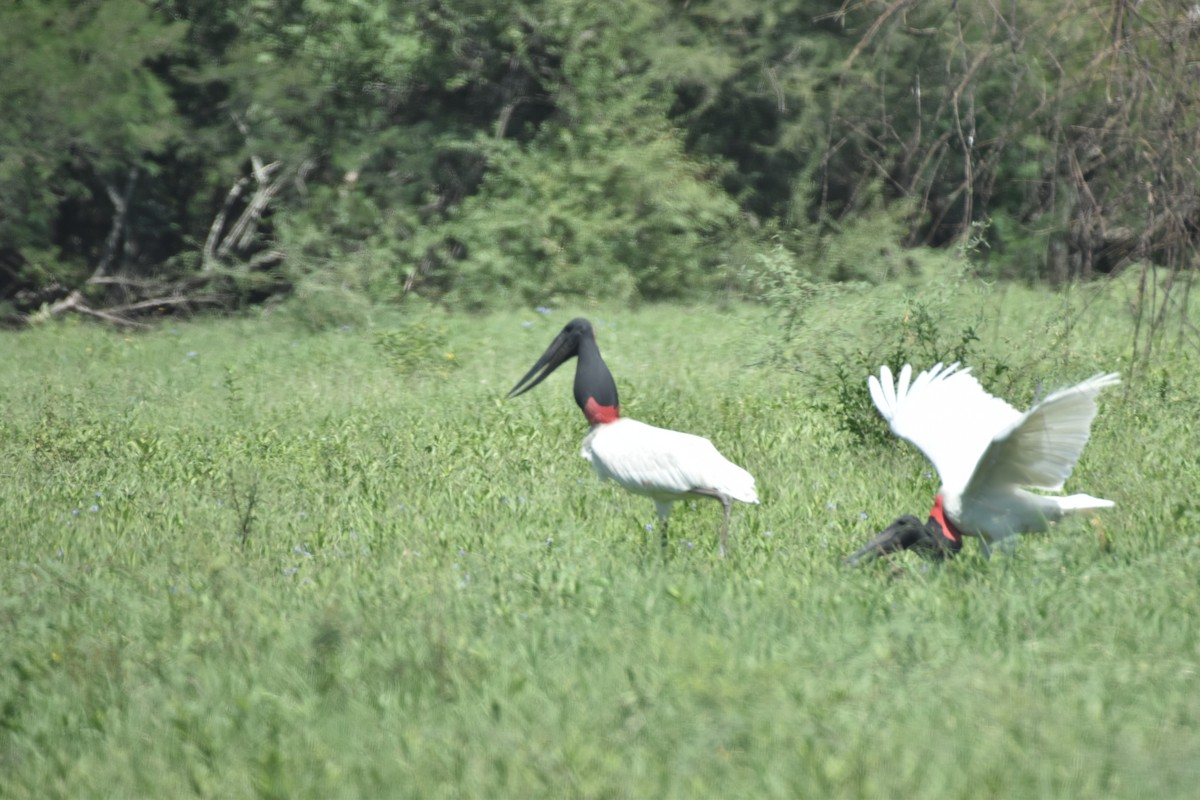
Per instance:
x=946, y=414
x=1040, y=448
x=877, y=397
x=905, y=379
x=663, y=463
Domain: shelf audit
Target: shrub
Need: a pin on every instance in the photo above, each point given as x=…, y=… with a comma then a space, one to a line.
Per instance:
x=418, y=346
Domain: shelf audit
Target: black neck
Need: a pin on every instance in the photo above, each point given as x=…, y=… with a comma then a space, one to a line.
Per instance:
x=592, y=378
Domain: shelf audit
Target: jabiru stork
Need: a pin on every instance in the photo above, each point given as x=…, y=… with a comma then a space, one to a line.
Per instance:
x=985, y=452
x=664, y=465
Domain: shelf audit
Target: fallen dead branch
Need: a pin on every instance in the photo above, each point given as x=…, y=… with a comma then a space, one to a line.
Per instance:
x=156, y=296
x=74, y=302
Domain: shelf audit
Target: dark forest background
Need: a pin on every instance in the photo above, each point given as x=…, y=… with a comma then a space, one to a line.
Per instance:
x=174, y=155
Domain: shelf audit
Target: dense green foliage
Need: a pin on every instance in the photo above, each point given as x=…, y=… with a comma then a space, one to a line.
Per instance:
x=480, y=153
x=244, y=558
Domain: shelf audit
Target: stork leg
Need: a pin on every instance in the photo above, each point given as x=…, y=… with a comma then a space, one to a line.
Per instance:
x=986, y=547
x=664, y=514
x=727, y=503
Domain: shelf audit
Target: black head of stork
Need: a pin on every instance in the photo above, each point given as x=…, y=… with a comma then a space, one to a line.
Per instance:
x=934, y=538
x=595, y=389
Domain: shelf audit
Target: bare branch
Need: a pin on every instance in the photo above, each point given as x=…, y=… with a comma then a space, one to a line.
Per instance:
x=75, y=302
x=218, y=223
x=874, y=29
x=120, y=214
x=173, y=300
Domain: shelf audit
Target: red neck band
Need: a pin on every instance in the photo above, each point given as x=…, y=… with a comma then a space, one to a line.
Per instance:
x=938, y=512
x=597, y=414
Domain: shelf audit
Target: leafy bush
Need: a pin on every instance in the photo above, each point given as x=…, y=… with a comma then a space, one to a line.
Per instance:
x=578, y=218
x=920, y=341
x=320, y=306
x=418, y=346
x=919, y=332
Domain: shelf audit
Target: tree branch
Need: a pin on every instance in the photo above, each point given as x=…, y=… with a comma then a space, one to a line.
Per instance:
x=75, y=302
x=121, y=212
x=218, y=223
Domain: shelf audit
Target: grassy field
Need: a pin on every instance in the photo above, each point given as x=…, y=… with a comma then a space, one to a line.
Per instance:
x=242, y=559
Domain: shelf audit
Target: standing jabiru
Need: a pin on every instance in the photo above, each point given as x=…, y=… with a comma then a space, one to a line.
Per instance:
x=984, y=451
x=663, y=465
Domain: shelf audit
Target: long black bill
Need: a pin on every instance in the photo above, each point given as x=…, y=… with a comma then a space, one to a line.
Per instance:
x=907, y=533
x=564, y=347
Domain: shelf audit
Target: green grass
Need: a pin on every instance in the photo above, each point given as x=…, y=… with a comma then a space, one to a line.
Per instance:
x=242, y=559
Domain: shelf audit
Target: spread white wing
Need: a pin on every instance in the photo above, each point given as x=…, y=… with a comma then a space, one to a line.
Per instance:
x=945, y=413
x=1041, y=447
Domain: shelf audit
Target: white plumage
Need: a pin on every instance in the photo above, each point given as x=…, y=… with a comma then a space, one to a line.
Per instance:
x=664, y=465
x=985, y=451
